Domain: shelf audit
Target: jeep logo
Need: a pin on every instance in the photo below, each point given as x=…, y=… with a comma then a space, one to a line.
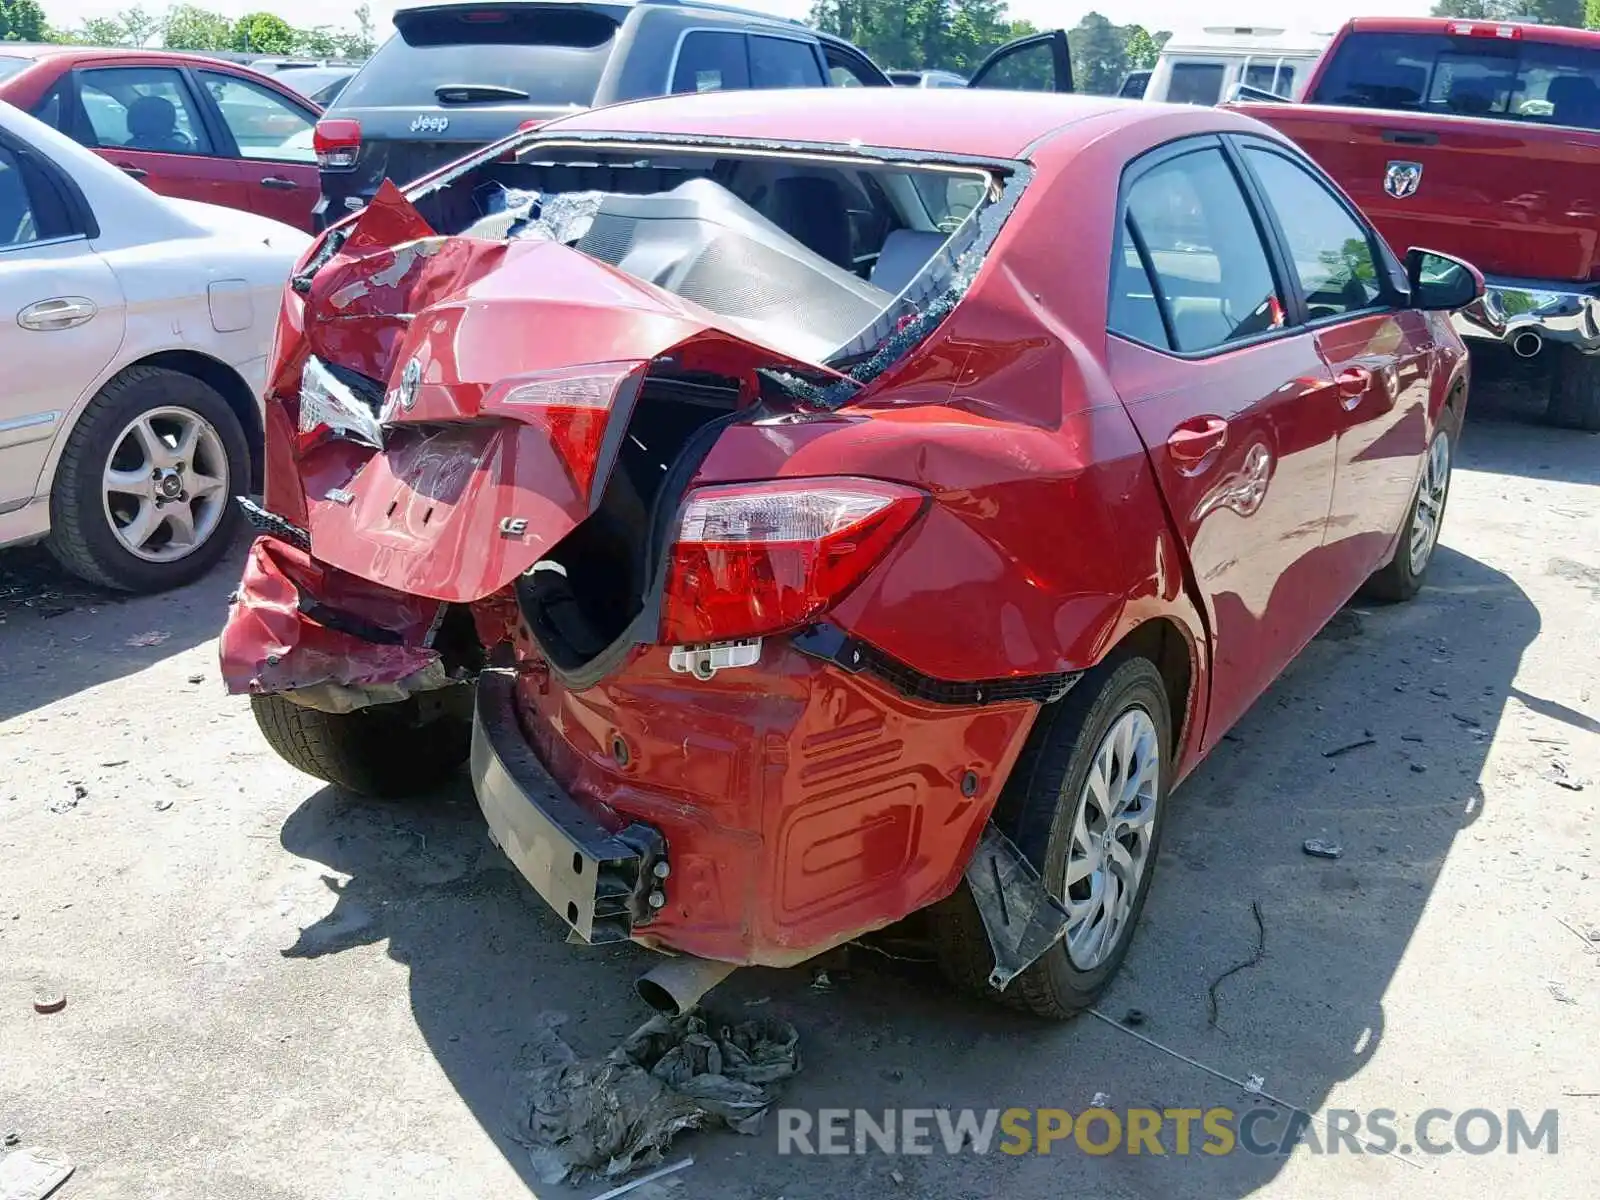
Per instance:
x=430, y=124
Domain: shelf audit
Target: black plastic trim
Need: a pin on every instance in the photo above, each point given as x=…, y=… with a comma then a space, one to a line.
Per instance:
x=832, y=644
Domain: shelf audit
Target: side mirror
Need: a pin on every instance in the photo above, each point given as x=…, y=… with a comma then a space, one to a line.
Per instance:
x=1440, y=283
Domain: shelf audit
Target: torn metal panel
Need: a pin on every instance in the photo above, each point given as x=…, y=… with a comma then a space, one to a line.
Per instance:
x=1023, y=920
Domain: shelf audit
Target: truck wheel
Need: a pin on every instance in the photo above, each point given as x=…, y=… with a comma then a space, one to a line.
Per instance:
x=1085, y=803
x=143, y=497
x=381, y=751
x=1401, y=577
x=1575, y=390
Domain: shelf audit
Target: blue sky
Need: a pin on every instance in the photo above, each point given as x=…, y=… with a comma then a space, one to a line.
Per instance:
x=1155, y=14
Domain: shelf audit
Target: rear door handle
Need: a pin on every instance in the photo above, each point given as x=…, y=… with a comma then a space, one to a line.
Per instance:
x=62, y=312
x=1191, y=442
x=1353, y=384
x=280, y=183
x=132, y=171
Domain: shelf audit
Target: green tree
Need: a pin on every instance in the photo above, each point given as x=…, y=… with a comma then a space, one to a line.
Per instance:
x=318, y=42
x=1099, y=55
x=1546, y=12
x=22, y=21
x=189, y=27
x=1591, y=14
x=363, y=41
x=263, y=33
x=101, y=31
x=1142, y=47
x=138, y=25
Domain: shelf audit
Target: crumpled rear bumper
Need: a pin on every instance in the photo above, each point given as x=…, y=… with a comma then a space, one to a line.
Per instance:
x=325, y=638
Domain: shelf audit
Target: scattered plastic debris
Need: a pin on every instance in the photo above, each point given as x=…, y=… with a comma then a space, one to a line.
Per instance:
x=1321, y=848
x=197, y=677
x=582, y=1119
x=32, y=1174
x=163, y=804
x=13, y=1138
x=49, y=1002
x=1349, y=746
x=1562, y=777
x=68, y=801
x=1560, y=992
x=1419, y=768
x=1100, y=1100
x=1134, y=1016
x=1255, y=1083
x=820, y=982
x=897, y=1177
x=651, y=1177
x=154, y=638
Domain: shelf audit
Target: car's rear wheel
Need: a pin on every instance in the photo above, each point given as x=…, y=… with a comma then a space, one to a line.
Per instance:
x=1401, y=578
x=387, y=750
x=1085, y=804
x=1575, y=390
x=143, y=496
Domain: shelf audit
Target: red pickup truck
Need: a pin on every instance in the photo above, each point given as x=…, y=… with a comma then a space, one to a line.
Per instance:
x=1480, y=139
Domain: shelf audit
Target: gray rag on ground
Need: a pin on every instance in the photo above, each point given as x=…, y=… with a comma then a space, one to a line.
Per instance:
x=603, y=1117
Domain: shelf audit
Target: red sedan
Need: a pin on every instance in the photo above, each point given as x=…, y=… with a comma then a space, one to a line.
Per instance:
x=186, y=126
x=805, y=508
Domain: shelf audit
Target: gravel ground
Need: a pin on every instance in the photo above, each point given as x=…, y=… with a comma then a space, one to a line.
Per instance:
x=273, y=990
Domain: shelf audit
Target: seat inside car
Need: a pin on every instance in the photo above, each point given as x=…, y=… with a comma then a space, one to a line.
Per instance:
x=153, y=125
x=904, y=253
x=815, y=211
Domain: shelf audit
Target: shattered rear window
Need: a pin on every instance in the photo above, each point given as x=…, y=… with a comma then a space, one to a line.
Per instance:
x=826, y=258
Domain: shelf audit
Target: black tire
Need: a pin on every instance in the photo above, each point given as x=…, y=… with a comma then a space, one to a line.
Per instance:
x=1574, y=390
x=1036, y=810
x=81, y=537
x=382, y=751
x=1397, y=580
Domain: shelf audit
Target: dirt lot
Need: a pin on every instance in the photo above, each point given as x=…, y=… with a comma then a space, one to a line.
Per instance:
x=276, y=991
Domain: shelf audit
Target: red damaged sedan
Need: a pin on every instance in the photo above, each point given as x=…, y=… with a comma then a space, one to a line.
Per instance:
x=807, y=508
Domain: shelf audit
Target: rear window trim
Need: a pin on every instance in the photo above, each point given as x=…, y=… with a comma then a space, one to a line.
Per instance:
x=745, y=32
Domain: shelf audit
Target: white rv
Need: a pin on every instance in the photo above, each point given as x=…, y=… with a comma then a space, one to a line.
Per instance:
x=1203, y=66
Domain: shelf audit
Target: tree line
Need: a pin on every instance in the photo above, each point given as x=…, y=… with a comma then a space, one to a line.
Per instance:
x=190, y=27
x=956, y=35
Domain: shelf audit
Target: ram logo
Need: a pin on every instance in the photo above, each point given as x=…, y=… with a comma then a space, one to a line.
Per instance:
x=513, y=526
x=430, y=124
x=1402, y=179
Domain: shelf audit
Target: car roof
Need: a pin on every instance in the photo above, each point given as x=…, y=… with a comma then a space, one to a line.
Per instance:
x=1557, y=34
x=701, y=5
x=37, y=50
x=960, y=121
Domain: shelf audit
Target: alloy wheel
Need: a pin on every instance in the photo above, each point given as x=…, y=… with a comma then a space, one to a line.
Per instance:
x=165, y=484
x=1428, y=515
x=1109, y=850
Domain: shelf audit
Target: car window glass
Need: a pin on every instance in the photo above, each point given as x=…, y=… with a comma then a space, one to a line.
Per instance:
x=783, y=63
x=949, y=199
x=1331, y=249
x=262, y=123
x=51, y=108
x=1277, y=78
x=711, y=62
x=141, y=108
x=1030, y=68
x=1195, y=83
x=1205, y=251
x=1134, y=310
x=17, y=222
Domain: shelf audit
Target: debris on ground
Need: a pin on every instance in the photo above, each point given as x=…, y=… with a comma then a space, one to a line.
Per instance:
x=1419, y=768
x=646, y=1180
x=1559, y=992
x=1349, y=746
x=1255, y=957
x=1100, y=1100
x=32, y=1174
x=13, y=1138
x=1321, y=848
x=1559, y=774
x=163, y=804
x=49, y=1002
x=1134, y=1016
x=1342, y=626
x=68, y=800
x=154, y=638
x=897, y=1177
x=197, y=677
x=582, y=1119
x=821, y=982
x=1255, y=1083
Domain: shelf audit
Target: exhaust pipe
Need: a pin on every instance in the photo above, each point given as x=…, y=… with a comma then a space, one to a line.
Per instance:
x=1526, y=344
x=676, y=985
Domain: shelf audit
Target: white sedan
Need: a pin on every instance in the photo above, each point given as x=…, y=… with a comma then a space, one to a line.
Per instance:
x=134, y=332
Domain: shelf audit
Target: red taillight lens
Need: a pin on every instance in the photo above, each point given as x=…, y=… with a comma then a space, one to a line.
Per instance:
x=761, y=558
x=337, y=143
x=573, y=405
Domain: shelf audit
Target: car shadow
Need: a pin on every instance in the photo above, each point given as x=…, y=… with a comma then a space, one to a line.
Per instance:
x=1506, y=431
x=90, y=635
x=1420, y=694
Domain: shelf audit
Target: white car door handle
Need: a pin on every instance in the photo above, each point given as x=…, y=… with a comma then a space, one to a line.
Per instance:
x=63, y=312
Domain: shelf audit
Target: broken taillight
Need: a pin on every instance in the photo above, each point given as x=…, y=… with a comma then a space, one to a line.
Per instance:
x=754, y=559
x=337, y=143
x=573, y=405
